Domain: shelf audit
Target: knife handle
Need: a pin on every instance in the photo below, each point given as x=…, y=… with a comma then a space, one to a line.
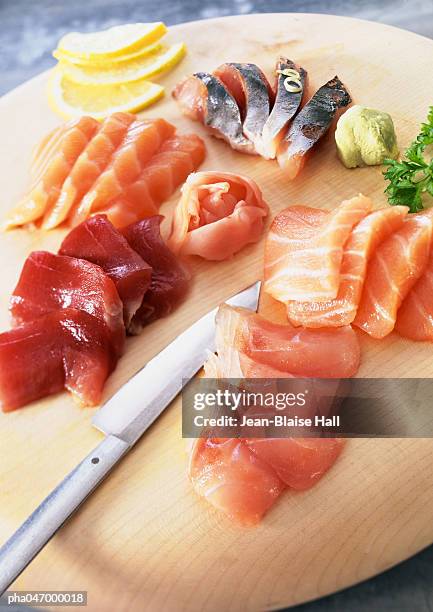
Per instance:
x=43, y=523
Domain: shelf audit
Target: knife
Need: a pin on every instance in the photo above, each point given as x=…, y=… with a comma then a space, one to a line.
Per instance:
x=123, y=420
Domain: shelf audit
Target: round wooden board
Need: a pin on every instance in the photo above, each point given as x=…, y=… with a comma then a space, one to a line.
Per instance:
x=144, y=541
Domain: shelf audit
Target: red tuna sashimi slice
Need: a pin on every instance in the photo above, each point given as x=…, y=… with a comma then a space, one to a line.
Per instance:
x=63, y=349
x=304, y=250
x=298, y=462
x=392, y=272
x=321, y=353
x=217, y=215
x=53, y=163
x=99, y=242
x=141, y=141
x=49, y=282
x=362, y=243
x=233, y=479
x=169, y=280
x=88, y=167
x=415, y=316
x=177, y=157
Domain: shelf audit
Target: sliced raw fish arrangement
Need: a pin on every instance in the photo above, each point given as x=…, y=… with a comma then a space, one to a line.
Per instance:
x=392, y=272
x=203, y=97
x=304, y=250
x=311, y=123
x=217, y=215
x=238, y=105
x=124, y=167
x=169, y=280
x=361, y=244
x=287, y=102
x=250, y=339
x=253, y=94
x=50, y=282
x=63, y=349
x=99, y=242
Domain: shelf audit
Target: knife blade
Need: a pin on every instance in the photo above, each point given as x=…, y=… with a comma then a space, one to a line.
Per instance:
x=123, y=420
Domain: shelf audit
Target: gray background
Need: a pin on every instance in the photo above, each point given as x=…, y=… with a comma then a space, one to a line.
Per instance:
x=30, y=29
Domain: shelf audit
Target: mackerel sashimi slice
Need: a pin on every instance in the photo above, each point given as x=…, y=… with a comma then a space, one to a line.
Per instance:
x=99, y=242
x=392, y=272
x=64, y=348
x=50, y=282
x=287, y=103
x=362, y=243
x=304, y=250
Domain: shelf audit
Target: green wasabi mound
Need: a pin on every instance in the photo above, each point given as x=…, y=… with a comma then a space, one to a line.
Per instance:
x=365, y=137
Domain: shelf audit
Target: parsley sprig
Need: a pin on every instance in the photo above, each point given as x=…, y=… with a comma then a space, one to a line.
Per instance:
x=413, y=176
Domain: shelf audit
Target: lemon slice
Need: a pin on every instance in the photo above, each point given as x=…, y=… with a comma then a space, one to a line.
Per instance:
x=112, y=62
x=69, y=99
x=130, y=72
x=118, y=40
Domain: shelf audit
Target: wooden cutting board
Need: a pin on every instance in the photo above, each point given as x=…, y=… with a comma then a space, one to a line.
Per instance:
x=144, y=541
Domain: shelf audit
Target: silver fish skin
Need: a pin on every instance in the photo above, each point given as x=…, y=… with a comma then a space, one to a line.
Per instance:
x=250, y=88
x=286, y=106
x=216, y=109
x=311, y=123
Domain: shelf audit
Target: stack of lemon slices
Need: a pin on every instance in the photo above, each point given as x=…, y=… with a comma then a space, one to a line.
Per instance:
x=99, y=73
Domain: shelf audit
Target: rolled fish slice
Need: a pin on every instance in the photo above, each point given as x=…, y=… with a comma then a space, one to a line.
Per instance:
x=204, y=98
x=392, y=272
x=304, y=250
x=250, y=88
x=362, y=243
x=54, y=161
x=310, y=124
x=284, y=109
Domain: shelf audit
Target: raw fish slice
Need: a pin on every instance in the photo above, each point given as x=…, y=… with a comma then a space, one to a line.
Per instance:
x=169, y=281
x=415, y=316
x=142, y=140
x=168, y=168
x=51, y=174
x=311, y=123
x=217, y=215
x=63, y=349
x=362, y=243
x=50, y=282
x=298, y=462
x=89, y=165
x=97, y=241
x=233, y=479
x=286, y=106
x=203, y=97
x=253, y=94
x=304, y=250
x=392, y=272
x=321, y=353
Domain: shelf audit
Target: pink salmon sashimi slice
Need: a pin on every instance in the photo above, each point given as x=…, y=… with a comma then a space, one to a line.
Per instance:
x=88, y=167
x=58, y=155
x=169, y=167
x=392, y=272
x=304, y=250
x=291, y=351
x=233, y=479
x=141, y=142
x=65, y=348
x=299, y=462
x=362, y=243
x=99, y=242
x=50, y=282
x=415, y=315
